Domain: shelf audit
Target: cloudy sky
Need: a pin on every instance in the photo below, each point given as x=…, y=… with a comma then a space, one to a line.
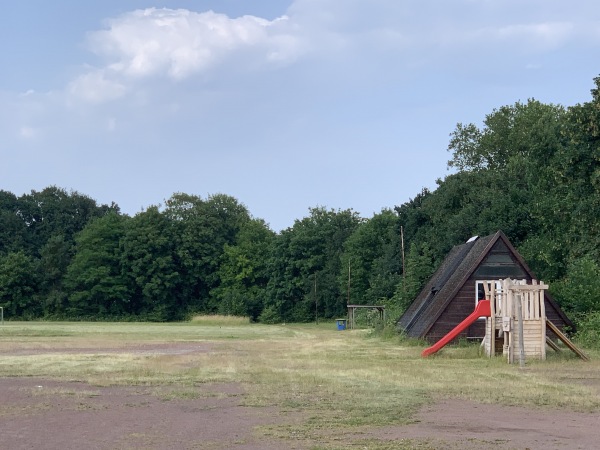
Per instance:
x=283, y=104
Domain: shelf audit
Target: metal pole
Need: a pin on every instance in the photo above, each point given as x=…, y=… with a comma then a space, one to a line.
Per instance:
x=1, y=315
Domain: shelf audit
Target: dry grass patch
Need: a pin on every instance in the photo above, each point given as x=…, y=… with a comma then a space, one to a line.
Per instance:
x=216, y=320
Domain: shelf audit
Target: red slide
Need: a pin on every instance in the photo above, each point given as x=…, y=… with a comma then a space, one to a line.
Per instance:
x=481, y=310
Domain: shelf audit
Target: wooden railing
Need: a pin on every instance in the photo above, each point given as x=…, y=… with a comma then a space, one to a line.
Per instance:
x=503, y=299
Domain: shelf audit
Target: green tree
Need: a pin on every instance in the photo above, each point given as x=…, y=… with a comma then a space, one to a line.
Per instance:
x=577, y=180
x=18, y=285
x=579, y=291
x=56, y=212
x=505, y=178
x=203, y=228
x=566, y=196
x=420, y=265
x=531, y=130
x=372, y=254
x=149, y=263
x=94, y=279
x=13, y=232
x=243, y=272
x=533, y=171
x=309, y=250
x=55, y=257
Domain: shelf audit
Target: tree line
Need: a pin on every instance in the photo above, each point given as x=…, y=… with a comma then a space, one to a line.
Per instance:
x=530, y=169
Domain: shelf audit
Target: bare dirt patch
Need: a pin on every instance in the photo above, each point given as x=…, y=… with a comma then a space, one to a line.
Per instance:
x=44, y=414
x=460, y=424
x=141, y=349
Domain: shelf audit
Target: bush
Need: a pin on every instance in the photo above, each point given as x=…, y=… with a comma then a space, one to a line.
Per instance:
x=269, y=315
x=385, y=331
x=588, y=331
x=579, y=292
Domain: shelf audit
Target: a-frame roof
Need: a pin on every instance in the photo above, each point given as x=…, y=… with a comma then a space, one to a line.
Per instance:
x=453, y=273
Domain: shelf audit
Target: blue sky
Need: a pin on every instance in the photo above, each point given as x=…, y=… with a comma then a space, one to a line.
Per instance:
x=284, y=105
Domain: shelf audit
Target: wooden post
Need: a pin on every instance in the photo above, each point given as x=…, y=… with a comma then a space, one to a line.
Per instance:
x=507, y=302
x=348, y=299
x=403, y=261
x=543, y=319
x=521, y=338
x=316, y=302
x=493, y=318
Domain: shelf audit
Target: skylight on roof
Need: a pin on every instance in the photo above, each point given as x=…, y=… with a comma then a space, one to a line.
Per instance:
x=474, y=238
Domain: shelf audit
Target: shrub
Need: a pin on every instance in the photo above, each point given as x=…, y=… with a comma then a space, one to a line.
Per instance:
x=588, y=331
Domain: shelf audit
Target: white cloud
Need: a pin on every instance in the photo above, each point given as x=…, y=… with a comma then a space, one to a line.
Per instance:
x=95, y=87
x=153, y=61
x=181, y=43
x=346, y=39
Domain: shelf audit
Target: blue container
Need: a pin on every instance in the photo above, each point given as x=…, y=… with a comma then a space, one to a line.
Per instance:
x=341, y=324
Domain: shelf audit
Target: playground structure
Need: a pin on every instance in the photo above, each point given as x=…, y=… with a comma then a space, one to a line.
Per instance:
x=379, y=309
x=516, y=322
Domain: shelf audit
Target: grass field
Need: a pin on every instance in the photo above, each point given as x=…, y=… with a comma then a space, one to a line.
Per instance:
x=334, y=380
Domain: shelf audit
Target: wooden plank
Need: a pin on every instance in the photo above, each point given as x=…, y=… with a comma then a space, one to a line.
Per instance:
x=532, y=332
x=529, y=287
x=566, y=340
x=553, y=345
x=520, y=328
x=486, y=291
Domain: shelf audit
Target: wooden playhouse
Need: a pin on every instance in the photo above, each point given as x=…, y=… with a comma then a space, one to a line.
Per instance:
x=477, y=270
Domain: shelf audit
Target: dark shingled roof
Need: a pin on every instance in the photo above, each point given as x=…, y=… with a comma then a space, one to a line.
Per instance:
x=445, y=283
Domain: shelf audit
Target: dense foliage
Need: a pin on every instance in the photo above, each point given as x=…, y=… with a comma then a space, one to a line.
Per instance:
x=531, y=170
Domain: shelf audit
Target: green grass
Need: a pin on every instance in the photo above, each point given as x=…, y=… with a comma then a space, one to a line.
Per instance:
x=336, y=381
